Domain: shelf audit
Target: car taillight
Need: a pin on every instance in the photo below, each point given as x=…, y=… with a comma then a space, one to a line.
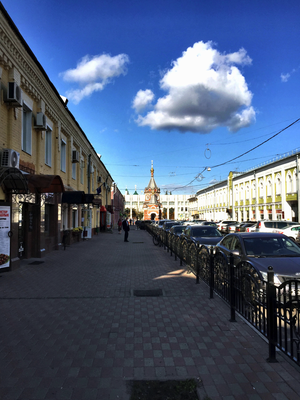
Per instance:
x=259, y=225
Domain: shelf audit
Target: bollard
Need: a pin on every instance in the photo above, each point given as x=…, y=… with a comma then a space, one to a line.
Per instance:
x=197, y=266
x=211, y=270
x=232, y=289
x=271, y=316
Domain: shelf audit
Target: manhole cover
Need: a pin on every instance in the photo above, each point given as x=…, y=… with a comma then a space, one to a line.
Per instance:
x=173, y=389
x=36, y=263
x=148, y=293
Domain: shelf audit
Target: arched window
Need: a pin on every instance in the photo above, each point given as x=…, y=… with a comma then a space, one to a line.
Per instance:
x=247, y=192
x=269, y=188
x=289, y=183
x=261, y=189
x=278, y=185
x=254, y=190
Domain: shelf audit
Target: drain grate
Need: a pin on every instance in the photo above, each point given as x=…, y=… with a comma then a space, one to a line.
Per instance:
x=36, y=263
x=137, y=242
x=148, y=293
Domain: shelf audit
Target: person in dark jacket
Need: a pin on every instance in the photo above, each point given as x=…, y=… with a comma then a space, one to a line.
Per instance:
x=126, y=229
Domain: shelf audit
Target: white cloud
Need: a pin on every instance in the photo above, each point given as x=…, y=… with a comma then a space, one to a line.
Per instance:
x=285, y=77
x=142, y=99
x=94, y=73
x=204, y=90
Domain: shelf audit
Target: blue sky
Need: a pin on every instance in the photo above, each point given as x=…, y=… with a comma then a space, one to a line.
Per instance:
x=187, y=84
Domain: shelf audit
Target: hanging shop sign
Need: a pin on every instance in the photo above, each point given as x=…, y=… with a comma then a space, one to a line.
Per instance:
x=4, y=236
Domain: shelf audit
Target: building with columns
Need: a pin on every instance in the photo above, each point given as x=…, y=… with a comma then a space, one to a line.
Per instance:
x=270, y=191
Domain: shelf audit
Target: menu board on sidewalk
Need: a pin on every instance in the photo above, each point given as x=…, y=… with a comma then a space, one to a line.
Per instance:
x=4, y=238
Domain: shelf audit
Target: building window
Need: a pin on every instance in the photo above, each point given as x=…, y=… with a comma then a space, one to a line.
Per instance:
x=247, y=192
x=48, y=147
x=63, y=153
x=269, y=188
x=74, y=218
x=81, y=171
x=26, y=129
x=261, y=191
x=278, y=186
x=74, y=167
x=289, y=183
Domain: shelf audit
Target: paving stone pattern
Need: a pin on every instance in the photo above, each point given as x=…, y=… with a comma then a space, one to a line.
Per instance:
x=72, y=328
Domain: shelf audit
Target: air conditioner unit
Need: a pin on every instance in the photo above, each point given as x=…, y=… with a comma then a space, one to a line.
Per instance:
x=41, y=121
x=10, y=158
x=14, y=95
x=75, y=156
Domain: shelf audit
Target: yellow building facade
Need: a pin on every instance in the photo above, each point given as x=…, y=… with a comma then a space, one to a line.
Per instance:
x=51, y=177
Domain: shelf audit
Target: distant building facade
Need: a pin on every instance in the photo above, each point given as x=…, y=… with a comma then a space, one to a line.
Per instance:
x=155, y=205
x=270, y=191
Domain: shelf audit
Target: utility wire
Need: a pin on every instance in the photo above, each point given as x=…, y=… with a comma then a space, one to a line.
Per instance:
x=272, y=137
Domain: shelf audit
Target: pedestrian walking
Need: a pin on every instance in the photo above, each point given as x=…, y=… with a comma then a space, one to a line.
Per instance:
x=126, y=229
x=120, y=225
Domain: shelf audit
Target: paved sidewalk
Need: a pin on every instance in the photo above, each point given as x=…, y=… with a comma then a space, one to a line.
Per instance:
x=72, y=328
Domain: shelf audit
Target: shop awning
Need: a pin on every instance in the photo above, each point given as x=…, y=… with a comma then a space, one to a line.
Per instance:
x=45, y=183
x=88, y=198
x=73, y=197
x=12, y=179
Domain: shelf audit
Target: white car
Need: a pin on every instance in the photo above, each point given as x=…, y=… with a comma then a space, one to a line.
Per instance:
x=291, y=231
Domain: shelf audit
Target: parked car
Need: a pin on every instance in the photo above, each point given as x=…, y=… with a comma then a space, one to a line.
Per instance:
x=209, y=223
x=291, y=231
x=269, y=225
x=243, y=227
x=230, y=228
x=177, y=229
x=223, y=225
x=201, y=234
x=251, y=228
x=261, y=250
x=161, y=222
x=168, y=225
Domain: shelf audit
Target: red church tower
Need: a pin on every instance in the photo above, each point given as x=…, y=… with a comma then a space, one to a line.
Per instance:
x=152, y=206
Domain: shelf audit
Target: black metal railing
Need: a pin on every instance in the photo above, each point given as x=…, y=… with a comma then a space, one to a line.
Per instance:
x=273, y=310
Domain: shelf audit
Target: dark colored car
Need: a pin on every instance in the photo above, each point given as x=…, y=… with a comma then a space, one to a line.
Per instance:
x=261, y=250
x=177, y=229
x=168, y=225
x=200, y=234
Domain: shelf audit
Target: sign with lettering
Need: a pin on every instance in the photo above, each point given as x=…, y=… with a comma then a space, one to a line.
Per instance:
x=4, y=236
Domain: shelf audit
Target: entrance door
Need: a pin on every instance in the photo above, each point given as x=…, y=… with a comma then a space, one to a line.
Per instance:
x=27, y=235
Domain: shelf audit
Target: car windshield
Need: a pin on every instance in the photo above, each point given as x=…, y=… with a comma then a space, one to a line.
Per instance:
x=169, y=224
x=179, y=228
x=271, y=247
x=205, y=232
